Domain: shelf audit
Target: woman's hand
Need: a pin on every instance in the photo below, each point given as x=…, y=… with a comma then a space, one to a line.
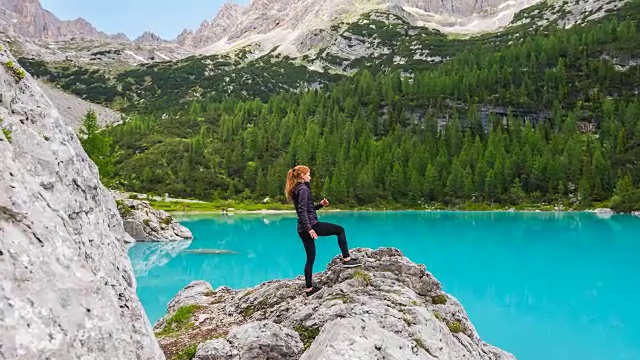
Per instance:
x=313, y=234
x=324, y=202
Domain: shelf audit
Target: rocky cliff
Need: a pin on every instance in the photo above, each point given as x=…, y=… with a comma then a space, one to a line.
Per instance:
x=391, y=308
x=286, y=24
x=67, y=290
x=29, y=19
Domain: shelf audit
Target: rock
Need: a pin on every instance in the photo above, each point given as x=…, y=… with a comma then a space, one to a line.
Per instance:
x=196, y=293
x=216, y=349
x=67, y=287
x=636, y=213
x=255, y=340
x=144, y=223
x=264, y=339
x=361, y=339
x=390, y=306
x=603, y=211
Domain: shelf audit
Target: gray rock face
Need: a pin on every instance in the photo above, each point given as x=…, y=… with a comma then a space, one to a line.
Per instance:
x=294, y=26
x=146, y=224
x=67, y=290
x=391, y=308
x=361, y=339
x=216, y=349
x=255, y=340
x=28, y=18
x=210, y=32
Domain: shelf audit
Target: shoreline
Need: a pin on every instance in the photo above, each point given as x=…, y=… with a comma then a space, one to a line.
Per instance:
x=276, y=212
x=190, y=207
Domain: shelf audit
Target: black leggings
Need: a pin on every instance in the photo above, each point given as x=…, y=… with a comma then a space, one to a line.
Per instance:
x=321, y=229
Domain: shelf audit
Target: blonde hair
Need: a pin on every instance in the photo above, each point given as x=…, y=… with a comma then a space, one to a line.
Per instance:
x=294, y=176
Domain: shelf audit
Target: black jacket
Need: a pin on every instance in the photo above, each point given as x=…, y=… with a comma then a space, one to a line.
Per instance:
x=305, y=209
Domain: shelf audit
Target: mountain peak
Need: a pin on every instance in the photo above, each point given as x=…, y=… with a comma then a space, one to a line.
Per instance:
x=229, y=7
x=210, y=32
x=120, y=37
x=148, y=37
x=29, y=19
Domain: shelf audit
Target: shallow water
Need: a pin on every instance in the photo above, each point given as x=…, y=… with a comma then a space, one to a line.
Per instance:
x=540, y=285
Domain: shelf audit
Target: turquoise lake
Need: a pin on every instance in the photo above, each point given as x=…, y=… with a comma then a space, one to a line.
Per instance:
x=544, y=286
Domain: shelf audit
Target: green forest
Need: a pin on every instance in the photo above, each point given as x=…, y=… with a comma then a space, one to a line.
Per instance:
x=550, y=118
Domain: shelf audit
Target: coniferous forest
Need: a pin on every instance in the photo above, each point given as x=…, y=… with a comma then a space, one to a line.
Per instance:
x=551, y=117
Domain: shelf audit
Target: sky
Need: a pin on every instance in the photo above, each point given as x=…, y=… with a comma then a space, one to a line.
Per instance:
x=166, y=18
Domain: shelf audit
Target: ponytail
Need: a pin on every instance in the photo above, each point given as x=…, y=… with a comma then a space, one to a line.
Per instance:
x=294, y=176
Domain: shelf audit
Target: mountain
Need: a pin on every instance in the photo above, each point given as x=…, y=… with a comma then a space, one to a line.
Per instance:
x=30, y=30
x=324, y=35
x=384, y=40
x=29, y=19
x=538, y=113
x=210, y=32
x=377, y=89
x=148, y=37
x=296, y=27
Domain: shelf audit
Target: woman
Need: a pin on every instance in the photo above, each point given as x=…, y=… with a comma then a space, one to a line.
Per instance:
x=298, y=190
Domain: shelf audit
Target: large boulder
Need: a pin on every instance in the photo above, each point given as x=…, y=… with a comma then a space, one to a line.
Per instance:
x=67, y=290
x=144, y=223
x=254, y=340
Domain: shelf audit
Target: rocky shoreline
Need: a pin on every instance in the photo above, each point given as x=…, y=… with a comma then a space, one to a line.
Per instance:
x=391, y=308
x=145, y=224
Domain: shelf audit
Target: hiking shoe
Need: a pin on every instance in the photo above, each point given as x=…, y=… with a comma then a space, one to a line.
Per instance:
x=351, y=263
x=314, y=290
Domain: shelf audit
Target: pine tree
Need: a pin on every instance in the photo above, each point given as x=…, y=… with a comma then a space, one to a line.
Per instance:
x=97, y=144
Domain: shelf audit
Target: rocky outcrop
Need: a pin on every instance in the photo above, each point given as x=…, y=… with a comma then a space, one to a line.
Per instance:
x=603, y=213
x=144, y=223
x=391, y=308
x=29, y=19
x=67, y=290
x=210, y=32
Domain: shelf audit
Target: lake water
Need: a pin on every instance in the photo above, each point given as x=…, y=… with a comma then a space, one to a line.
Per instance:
x=552, y=286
